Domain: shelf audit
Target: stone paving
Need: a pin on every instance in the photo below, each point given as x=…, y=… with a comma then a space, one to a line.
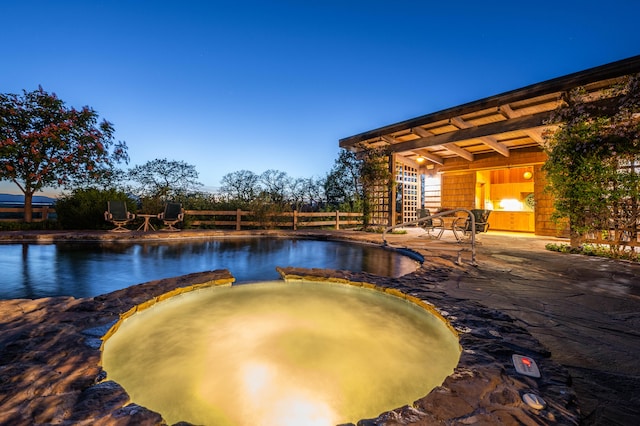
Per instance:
x=585, y=311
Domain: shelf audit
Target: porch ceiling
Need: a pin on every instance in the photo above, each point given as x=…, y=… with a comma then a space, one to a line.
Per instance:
x=500, y=123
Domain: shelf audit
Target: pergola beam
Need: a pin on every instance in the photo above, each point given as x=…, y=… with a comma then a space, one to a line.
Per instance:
x=545, y=88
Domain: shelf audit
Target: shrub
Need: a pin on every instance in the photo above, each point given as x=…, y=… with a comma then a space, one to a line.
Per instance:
x=84, y=208
x=595, y=250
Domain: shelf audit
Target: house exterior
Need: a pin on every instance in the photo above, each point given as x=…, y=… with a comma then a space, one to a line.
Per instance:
x=485, y=154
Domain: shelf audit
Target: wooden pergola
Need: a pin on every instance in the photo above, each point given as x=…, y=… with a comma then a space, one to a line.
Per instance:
x=495, y=127
x=499, y=123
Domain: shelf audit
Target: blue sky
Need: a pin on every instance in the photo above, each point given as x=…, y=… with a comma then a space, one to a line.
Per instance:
x=257, y=85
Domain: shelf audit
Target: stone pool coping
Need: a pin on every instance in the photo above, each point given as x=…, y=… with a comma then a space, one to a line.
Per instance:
x=50, y=369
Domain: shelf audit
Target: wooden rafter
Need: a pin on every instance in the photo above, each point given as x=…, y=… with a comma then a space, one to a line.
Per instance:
x=421, y=132
x=449, y=146
x=493, y=143
x=460, y=123
x=490, y=141
x=491, y=129
x=459, y=151
x=431, y=157
x=508, y=112
x=536, y=134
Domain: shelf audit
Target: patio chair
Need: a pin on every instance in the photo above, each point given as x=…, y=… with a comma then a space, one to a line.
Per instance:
x=463, y=230
x=118, y=214
x=430, y=225
x=173, y=213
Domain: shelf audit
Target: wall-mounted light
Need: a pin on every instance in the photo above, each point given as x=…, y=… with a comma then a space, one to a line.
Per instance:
x=527, y=175
x=510, y=204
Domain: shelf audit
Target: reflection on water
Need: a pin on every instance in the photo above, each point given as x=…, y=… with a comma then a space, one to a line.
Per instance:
x=89, y=269
x=280, y=354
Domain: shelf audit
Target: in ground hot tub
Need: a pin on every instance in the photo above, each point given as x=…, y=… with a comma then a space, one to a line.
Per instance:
x=276, y=353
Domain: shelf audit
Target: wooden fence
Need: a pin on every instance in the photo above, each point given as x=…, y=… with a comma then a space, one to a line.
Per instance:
x=241, y=218
x=16, y=214
x=236, y=219
x=622, y=237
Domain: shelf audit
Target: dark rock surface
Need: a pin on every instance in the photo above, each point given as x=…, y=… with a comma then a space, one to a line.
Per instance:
x=50, y=369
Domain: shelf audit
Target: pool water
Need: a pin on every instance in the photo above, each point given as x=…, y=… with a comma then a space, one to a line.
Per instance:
x=87, y=269
x=275, y=353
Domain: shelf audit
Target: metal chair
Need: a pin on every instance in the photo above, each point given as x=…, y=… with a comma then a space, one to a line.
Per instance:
x=118, y=214
x=463, y=230
x=173, y=213
x=430, y=224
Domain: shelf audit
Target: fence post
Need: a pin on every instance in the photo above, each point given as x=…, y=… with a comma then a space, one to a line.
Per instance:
x=295, y=220
x=238, y=219
x=337, y=219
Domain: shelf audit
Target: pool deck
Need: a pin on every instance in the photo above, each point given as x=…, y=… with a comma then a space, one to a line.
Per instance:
x=584, y=310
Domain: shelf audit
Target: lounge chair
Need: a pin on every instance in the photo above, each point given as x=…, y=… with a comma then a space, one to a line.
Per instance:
x=173, y=213
x=463, y=230
x=118, y=214
x=431, y=225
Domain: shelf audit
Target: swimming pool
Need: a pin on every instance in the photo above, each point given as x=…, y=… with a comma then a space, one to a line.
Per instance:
x=87, y=269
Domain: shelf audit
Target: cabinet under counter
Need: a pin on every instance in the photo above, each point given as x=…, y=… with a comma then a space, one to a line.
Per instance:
x=500, y=220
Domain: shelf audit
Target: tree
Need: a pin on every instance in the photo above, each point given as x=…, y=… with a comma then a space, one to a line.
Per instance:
x=275, y=184
x=163, y=179
x=342, y=184
x=594, y=159
x=44, y=143
x=313, y=192
x=297, y=193
x=240, y=186
x=306, y=193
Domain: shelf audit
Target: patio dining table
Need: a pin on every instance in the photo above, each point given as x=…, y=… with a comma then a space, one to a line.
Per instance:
x=146, y=225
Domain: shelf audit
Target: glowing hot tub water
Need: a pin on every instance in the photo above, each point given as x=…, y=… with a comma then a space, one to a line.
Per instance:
x=276, y=353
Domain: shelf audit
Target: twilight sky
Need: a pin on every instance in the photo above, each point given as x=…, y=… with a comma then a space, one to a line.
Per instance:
x=257, y=85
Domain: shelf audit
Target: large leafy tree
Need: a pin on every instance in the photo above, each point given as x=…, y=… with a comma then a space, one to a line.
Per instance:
x=164, y=179
x=45, y=143
x=594, y=159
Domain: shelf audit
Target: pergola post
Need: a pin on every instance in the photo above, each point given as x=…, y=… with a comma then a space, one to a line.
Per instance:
x=393, y=215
